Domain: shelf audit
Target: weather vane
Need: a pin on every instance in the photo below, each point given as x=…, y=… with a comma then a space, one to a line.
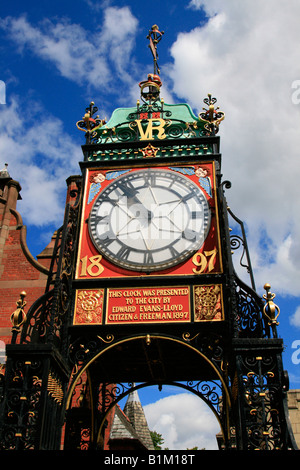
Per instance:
x=154, y=37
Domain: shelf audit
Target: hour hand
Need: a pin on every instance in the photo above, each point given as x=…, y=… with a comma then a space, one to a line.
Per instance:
x=130, y=193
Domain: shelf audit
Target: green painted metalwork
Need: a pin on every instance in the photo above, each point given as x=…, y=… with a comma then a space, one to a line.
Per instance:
x=132, y=124
x=177, y=151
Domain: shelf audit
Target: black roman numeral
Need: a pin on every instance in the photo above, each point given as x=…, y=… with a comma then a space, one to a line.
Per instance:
x=187, y=197
x=101, y=219
x=107, y=238
x=150, y=179
x=148, y=258
x=174, y=253
x=127, y=189
x=124, y=252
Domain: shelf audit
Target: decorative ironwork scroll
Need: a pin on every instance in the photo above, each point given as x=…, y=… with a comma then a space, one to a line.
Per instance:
x=263, y=399
x=88, y=123
x=129, y=131
x=240, y=241
x=22, y=405
x=211, y=116
x=249, y=321
x=47, y=319
x=209, y=391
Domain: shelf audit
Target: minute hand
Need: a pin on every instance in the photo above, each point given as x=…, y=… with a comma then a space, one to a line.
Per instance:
x=133, y=200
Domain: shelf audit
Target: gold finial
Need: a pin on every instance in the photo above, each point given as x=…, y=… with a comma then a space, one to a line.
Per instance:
x=211, y=116
x=270, y=308
x=18, y=317
x=154, y=37
x=88, y=123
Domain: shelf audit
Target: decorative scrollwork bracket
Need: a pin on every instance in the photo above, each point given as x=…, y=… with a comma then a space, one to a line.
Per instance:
x=211, y=116
x=88, y=123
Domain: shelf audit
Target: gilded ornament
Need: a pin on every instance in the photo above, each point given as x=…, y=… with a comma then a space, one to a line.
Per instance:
x=54, y=388
x=108, y=339
x=187, y=336
x=88, y=124
x=89, y=304
x=18, y=317
x=270, y=307
x=208, y=304
x=212, y=117
x=149, y=151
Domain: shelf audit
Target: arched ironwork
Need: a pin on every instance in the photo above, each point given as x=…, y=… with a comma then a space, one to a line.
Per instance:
x=215, y=393
x=207, y=391
x=97, y=354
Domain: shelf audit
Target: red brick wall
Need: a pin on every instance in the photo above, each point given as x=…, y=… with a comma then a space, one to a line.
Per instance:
x=19, y=271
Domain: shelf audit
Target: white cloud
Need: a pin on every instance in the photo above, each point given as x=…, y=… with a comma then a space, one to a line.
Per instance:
x=184, y=421
x=79, y=55
x=65, y=45
x=247, y=56
x=295, y=318
x=40, y=158
x=39, y=155
x=119, y=40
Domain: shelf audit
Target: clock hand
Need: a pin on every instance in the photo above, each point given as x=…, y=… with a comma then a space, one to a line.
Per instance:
x=130, y=193
x=145, y=239
x=132, y=200
x=121, y=229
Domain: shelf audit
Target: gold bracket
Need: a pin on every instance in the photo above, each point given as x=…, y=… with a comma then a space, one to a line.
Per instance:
x=270, y=308
x=18, y=317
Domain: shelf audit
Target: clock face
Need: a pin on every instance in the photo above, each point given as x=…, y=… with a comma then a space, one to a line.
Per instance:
x=149, y=220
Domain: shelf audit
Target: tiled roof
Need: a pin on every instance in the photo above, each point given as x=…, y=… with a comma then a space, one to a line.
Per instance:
x=134, y=411
x=121, y=427
x=132, y=423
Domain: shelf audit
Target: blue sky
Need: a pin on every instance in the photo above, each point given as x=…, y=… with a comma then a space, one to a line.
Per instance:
x=58, y=56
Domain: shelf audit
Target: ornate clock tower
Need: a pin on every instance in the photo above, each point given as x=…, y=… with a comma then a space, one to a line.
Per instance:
x=143, y=290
